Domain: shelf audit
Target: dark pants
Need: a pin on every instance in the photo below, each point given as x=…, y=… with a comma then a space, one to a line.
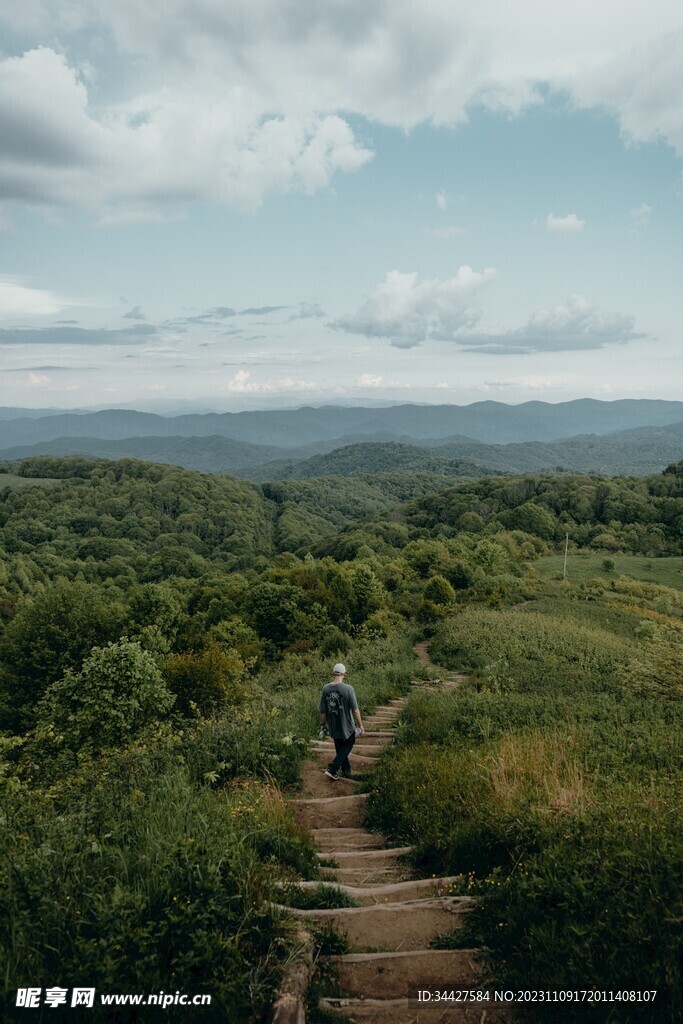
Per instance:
x=341, y=761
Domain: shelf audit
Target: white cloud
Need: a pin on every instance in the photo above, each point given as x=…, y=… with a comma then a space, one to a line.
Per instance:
x=166, y=147
x=567, y=225
x=641, y=216
x=20, y=300
x=532, y=382
x=242, y=384
x=369, y=380
x=38, y=380
x=409, y=311
x=441, y=199
x=227, y=102
x=642, y=85
x=578, y=325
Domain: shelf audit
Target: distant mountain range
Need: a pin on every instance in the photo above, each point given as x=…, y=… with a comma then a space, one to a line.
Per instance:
x=638, y=452
x=487, y=422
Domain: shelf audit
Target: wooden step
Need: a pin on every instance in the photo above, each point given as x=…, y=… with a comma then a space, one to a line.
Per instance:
x=394, y=926
x=410, y=1011
x=394, y=892
x=402, y=975
x=335, y=811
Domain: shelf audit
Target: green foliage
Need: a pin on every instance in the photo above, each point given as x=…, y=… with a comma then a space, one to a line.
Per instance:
x=439, y=591
x=553, y=776
x=569, y=726
x=658, y=668
x=258, y=741
x=153, y=884
x=49, y=635
x=117, y=693
x=321, y=897
x=206, y=681
x=531, y=651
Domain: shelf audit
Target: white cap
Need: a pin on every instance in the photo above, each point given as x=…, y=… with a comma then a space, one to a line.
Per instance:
x=339, y=669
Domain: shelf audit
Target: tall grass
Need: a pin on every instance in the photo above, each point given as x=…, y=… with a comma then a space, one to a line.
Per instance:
x=553, y=776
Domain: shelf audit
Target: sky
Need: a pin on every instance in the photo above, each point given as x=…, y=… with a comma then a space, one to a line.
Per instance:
x=231, y=204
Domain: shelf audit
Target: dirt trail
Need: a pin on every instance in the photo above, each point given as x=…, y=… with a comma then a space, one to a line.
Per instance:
x=390, y=930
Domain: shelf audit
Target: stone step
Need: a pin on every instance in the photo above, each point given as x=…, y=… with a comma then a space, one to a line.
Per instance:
x=347, y=839
x=410, y=1011
x=369, y=874
x=371, y=858
x=403, y=975
x=395, y=926
x=335, y=811
x=394, y=892
x=331, y=849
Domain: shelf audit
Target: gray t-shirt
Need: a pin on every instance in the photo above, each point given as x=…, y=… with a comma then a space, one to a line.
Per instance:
x=337, y=703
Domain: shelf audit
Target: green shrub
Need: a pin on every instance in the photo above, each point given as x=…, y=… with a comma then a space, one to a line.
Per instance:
x=117, y=693
x=206, y=681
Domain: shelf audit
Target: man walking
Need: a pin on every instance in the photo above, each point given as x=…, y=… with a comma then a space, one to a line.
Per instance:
x=338, y=707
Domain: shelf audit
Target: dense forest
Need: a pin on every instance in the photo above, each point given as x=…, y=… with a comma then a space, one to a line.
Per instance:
x=163, y=636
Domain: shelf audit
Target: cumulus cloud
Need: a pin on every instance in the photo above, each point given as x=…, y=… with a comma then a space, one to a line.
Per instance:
x=567, y=225
x=408, y=311
x=578, y=325
x=216, y=104
x=441, y=199
x=134, y=314
x=369, y=380
x=161, y=148
x=642, y=85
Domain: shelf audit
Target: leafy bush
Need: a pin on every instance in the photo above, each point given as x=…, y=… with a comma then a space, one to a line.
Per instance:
x=118, y=692
x=206, y=681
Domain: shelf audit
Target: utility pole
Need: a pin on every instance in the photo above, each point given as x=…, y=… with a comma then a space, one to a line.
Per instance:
x=566, y=549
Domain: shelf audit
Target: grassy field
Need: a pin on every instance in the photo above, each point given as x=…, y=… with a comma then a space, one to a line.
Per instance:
x=667, y=572
x=551, y=779
x=12, y=480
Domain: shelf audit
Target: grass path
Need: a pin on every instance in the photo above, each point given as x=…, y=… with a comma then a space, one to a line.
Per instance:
x=389, y=930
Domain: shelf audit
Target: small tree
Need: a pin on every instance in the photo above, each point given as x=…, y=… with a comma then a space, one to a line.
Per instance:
x=51, y=633
x=118, y=691
x=439, y=591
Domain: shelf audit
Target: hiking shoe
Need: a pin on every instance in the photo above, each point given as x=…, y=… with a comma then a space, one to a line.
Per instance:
x=331, y=775
x=346, y=775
